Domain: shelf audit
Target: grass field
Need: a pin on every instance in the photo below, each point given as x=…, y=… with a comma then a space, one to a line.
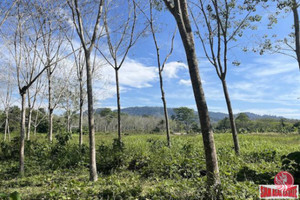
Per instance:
x=143, y=167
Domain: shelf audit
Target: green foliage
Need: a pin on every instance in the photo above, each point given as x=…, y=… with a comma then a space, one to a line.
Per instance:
x=223, y=125
x=9, y=150
x=111, y=157
x=291, y=163
x=185, y=116
x=106, y=112
x=245, y=125
x=63, y=138
x=65, y=155
x=266, y=155
x=14, y=119
x=12, y=196
x=146, y=168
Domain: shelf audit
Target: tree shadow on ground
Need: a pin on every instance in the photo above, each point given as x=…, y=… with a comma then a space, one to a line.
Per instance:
x=247, y=174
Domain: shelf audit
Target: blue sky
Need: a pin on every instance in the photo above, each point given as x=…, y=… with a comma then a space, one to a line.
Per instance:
x=267, y=84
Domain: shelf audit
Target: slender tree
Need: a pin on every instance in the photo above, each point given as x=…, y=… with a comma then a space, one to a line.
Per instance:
x=224, y=22
x=88, y=43
x=80, y=65
x=39, y=114
x=52, y=28
x=160, y=65
x=25, y=46
x=6, y=97
x=179, y=10
x=31, y=100
x=121, y=36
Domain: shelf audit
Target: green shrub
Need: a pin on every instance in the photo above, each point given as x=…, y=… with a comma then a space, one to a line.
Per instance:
x=10, y=150
x=111, y=158
x=267, y=155
x=291, y=163
x=65, y=155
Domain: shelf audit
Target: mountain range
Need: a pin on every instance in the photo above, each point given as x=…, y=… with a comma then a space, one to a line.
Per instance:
x=159, y=112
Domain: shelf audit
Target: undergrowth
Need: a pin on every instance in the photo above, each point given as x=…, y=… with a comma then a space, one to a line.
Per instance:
x=143, y=167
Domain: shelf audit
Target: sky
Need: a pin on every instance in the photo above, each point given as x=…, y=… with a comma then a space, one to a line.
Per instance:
x=262, y=84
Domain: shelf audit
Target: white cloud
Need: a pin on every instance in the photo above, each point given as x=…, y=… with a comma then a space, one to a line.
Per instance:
x=172, y=68
x=135, y=74
x=185, y=82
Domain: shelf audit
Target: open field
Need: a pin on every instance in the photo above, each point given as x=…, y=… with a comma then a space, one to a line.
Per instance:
x=143, y=167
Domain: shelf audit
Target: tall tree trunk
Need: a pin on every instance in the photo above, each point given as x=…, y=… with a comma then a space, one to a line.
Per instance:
x=296, y=26
x=34, y=130
x=93, y=167
x=6, y=124
x=50, y=131
x=231, y=118
x=35, y=123
x=207, y=133
x=80, y=112
x=180, y=13
x=68, y=122
x=8, y=132
x=22, y=134
x=165, y=107
x=50, y=109
x=29, y=124
x=118, y=103
x=29, y=116
x=68, y=112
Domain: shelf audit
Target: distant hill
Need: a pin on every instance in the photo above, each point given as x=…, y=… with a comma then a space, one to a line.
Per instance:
x=147, y=111
x=253, y=116
x=159, y=112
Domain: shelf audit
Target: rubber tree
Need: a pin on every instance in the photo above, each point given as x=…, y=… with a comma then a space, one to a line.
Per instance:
x=80, y=65
x=179, y=10
x=161, y=66
x=223, y=24
x=88, y=43
x=24, y=46
x=52, y=28
x=121, y=36
x=6, y=88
